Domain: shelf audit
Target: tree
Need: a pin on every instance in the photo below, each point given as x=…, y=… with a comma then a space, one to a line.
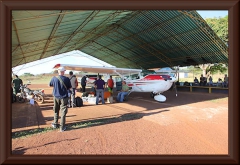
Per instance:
x=220, y=27
x=28, y=74
x=208, y=69
x=55, y=72
x=215, y=68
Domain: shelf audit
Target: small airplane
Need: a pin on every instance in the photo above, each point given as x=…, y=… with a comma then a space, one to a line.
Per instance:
x=156, y=83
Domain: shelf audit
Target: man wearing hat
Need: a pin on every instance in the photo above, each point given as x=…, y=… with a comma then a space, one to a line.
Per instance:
x=61, y=84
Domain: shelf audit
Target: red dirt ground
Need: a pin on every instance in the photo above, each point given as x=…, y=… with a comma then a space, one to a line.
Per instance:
x=192, y=123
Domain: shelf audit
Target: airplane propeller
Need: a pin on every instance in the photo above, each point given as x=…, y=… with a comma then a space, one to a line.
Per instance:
x=175, y=86
x=174, y=83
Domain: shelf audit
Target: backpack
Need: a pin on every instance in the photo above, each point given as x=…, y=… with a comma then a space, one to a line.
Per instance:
x=78, y=101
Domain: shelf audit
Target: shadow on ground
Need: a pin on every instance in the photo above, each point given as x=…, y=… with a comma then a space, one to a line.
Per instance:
x=87, y=123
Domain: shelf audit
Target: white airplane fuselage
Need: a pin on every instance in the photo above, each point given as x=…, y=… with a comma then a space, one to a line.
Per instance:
x=155, y=86
x=151, y=83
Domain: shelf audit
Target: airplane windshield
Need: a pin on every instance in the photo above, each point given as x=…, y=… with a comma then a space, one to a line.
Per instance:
x=146, y=72
x=142, y=74
x=131, y=77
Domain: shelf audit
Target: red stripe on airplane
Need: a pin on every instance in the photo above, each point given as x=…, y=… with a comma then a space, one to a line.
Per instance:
x=155, y=77
x=57, y=66
x=130, y=85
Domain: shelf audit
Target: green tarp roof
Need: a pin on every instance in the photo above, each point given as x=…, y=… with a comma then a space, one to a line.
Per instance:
x=132, y=39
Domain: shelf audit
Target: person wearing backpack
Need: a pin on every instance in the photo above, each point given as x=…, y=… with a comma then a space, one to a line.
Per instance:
x=61, y=84
x=74, y=84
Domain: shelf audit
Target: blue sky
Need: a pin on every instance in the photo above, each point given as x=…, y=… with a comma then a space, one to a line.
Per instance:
x=212, y=13
x=79, y=58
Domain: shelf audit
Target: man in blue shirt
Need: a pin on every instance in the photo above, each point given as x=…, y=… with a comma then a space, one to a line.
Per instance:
x=99, y=85
x=61, y=84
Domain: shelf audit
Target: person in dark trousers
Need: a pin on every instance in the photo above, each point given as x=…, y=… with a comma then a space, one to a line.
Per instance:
x=225, y=81
x=17, y=82
x=201, y=80
x=61, y=84
x=204, y=81
x=99, y=85
x=74, y=84
x=83, y=83
x=12, y=94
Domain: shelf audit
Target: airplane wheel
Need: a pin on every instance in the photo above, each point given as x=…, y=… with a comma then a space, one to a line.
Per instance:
x=152, y=95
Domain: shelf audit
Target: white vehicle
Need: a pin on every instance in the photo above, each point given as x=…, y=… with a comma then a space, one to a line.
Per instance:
x=156, y=84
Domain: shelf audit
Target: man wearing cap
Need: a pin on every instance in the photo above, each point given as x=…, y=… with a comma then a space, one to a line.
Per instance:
x=61, y=84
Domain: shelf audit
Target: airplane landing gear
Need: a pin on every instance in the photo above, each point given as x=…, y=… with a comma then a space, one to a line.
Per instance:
x=152, y=95
x=160, y=98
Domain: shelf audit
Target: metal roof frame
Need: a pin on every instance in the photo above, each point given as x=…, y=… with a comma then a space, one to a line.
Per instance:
x=123, y=38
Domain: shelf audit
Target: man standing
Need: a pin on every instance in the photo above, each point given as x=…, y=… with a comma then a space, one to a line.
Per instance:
x=110, y=84
x=123, y=92
x=61, y=84
x=83, y=83
x=17, y=82
x=225, y=81
x=99, y=85
x=210, y=81
x=74, y=84
x=201, y=80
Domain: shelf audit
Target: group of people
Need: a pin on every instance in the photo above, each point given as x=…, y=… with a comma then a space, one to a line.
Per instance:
x=203, y=81
x=223, y=83
x=100, y=86
x=64, y=90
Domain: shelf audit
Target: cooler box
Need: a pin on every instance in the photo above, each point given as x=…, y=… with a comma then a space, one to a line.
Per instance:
x=106, y=94
x=85, y=99
x=92, y=100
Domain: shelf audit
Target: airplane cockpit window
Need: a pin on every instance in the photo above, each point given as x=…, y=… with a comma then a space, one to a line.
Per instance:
x=134, y=76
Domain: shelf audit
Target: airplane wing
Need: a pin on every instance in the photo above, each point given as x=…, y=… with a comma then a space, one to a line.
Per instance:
x=99, y=69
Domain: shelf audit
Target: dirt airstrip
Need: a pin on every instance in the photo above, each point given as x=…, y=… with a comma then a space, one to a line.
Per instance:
x=191, y=123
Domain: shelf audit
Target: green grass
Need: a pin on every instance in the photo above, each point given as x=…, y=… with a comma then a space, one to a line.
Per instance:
x=218, y=100
x=28, y=133
x=37, y=79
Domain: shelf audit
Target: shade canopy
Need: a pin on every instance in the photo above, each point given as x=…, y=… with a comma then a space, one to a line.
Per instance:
x=127, y=39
